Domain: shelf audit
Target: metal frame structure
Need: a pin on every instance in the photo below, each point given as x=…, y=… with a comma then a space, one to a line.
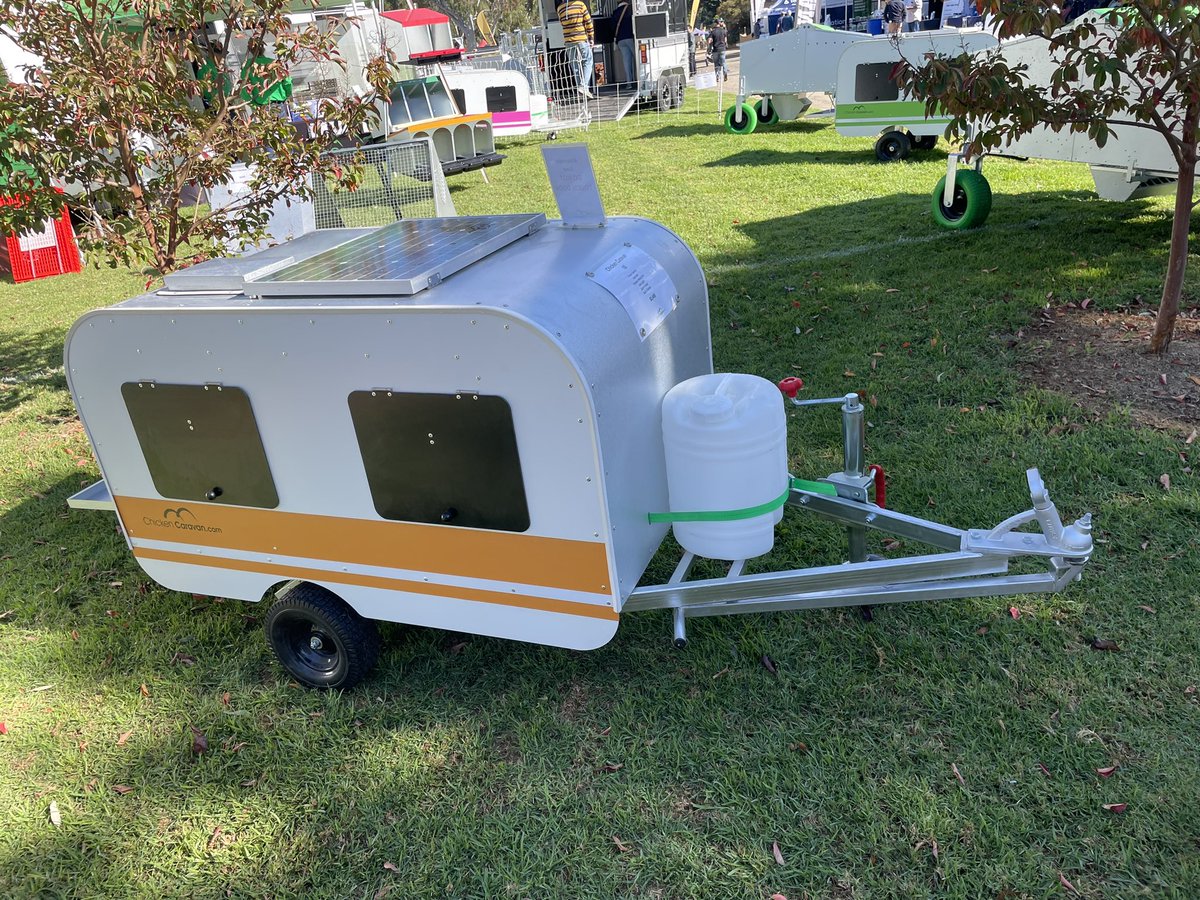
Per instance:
x=972, y=563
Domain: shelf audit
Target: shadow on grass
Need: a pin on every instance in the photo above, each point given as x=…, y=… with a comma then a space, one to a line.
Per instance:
x=29, y=361
x=765, y=157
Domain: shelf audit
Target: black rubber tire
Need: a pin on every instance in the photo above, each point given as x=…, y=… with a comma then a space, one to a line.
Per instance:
x=678, y=91
x=740, y=119
x=663, y=93
x=925, y=142
x=349, y=644
x=972, y=201
x=892, y=146
x=772, y=116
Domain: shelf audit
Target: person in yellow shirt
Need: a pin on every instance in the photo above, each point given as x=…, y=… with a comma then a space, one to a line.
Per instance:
x=578, y=35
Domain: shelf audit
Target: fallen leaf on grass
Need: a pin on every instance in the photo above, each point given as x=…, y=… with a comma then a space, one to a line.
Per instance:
x=1165, y=480
x=125, y=735
x=778, y=897
x=55, y=817
x=611, y=767
x=798, y=747
x=8, y=612
x=1014, y=612
x=1107, y=771
x=1149, y=609
x=982, y=629
x=1062, y=879
x=1194, y=379
x=892, y=290
x=958, y=775
x=724, y=671
x=1115, y=807
x=1191, y=438
x=623, y=847
x=890, y=544
x=776, y=853
x=1162, y=378
x=1099, y=643
x=3, y=728
x=225, y=699
x=199, y=741
x=248, y=783
x=392, y=867
x=1045, y=771
x=183, y=659
x=458, y=648
x=144, y=691
x=122, y=789
x=769, y=665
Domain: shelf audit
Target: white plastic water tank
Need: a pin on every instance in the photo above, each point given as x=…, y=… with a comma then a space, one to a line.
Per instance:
x=725, y=437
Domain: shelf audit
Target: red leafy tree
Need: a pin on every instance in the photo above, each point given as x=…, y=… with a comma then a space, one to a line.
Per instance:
x=138, y=107
x=1136, y=66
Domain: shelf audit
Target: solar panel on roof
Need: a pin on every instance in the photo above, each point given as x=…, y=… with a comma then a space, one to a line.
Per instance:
x=404, y=257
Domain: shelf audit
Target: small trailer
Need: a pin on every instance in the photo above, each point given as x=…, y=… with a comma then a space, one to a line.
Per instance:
x=781, y=70
x=1134, y=162
x=853, y=69
x=868, y=102
x=487, y=424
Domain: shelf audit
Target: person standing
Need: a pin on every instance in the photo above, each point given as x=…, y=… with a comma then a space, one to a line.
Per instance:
x=893, y=15
x=914, y=12
x=718, y=43
x=622, y=18
x=786, y=22
x=578, y=36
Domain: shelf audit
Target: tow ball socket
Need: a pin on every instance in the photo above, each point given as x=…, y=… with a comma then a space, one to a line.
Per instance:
x=213, y=493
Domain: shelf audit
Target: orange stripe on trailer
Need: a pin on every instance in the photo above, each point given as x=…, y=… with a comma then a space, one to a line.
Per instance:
x=442, y=549
x=449, y=122
x=545, y=604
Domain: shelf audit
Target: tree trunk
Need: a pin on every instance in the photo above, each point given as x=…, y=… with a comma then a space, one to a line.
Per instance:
x=1181, y=226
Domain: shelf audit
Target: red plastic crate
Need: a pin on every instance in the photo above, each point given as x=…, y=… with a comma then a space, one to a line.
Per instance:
x=40, y=254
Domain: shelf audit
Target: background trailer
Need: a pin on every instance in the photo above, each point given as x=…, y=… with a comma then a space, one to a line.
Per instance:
x=484, y=424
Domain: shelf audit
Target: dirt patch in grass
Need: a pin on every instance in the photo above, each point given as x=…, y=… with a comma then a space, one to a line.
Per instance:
x=1102, y=359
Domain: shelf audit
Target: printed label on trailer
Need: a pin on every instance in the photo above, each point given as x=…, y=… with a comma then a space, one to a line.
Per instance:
x=643, y=286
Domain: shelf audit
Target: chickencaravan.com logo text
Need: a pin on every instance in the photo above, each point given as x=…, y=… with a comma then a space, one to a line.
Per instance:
x=180, y=518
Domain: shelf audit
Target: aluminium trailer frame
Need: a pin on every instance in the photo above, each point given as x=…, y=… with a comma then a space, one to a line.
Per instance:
x=972, y=562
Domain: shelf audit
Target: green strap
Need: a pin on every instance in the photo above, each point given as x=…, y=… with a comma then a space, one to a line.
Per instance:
x=733, y=515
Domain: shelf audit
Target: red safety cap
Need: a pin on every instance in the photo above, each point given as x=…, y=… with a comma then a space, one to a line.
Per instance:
x=791, y=386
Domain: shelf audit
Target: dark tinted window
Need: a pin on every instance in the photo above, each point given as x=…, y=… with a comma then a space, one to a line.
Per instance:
x=502, y=98
x=201, y=442
x=873, y=81
x=441, y=458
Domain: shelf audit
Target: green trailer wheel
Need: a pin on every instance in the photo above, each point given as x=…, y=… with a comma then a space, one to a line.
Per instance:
x=740, y=118
x=772, y=115
x=972, y=201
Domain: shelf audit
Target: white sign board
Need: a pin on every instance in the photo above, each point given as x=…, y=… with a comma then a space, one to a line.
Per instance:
x=574, y=184
x=641, y=285
x=704, y=80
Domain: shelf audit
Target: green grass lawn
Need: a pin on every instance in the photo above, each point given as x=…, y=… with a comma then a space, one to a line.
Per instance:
x=944, y=750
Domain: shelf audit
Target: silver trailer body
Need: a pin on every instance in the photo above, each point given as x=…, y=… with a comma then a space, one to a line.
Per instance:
x=315, y=356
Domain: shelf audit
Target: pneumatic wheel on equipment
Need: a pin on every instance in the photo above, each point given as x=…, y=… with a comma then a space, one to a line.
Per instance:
x=678, y=90
x=925, y=142
x=663, y=93
x=772, y=114
x=972, y=201
x=740, y=118
x=319, y=639
x=892, y=146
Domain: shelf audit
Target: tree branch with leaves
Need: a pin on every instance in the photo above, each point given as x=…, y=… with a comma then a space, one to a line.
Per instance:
x=138, y=107
x=1137, y=66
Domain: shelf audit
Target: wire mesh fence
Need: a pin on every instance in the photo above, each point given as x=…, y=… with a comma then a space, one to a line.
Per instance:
x=397, y=180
